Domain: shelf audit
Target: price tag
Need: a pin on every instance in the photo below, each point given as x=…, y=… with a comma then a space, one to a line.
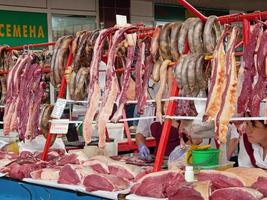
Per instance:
x=121, y=20
x=59, y=108
x=59, y=126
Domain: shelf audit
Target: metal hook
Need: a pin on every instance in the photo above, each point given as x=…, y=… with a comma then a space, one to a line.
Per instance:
x=24, y=48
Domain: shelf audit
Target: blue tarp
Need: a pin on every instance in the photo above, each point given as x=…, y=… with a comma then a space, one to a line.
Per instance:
x=17, y=190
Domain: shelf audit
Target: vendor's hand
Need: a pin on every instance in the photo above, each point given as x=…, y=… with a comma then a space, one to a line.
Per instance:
x=144, y=151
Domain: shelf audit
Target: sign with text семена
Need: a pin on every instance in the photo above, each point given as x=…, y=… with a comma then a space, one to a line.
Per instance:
x=21, y=28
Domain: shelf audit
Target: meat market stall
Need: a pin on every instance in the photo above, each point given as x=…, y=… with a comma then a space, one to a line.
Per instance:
x=193, y=61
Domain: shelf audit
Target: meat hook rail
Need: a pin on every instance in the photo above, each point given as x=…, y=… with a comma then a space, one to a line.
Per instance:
x=142, y=33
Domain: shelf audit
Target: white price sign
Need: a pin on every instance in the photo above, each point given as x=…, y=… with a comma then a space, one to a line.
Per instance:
x=121, y=20
x=59, y=108
x=59, y=126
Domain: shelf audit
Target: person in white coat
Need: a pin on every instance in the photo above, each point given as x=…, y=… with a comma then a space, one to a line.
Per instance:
x=253, y=144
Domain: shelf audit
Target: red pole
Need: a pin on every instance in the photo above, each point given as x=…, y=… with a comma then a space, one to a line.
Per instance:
x=189, y=7
x=240, y=17
x=61, y=94
x=31, y=46
x=166, y=129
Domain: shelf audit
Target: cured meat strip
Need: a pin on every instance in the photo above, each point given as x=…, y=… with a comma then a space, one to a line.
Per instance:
x=217, y=83
x=165, y=41
x=192, y=77
x=178, y=71
x=138, y=73
x=81, y=82
x=44, y=122
x=156, y=71
x=236, y=193
x=209, y=39
x=229, y=99
x=183, y=35
x=61, y=59
x=197, y=37
x=94, y=88
x=190, y=35
x=122, y=97
x=54, y=60
x=148, y=70
x=174, y=40
x=155, y=44
x=250, y=72
x=111, y=86
x=76, y=41
x=163, y=81
x=81, y=50
x=142, y=92
x=259, y=91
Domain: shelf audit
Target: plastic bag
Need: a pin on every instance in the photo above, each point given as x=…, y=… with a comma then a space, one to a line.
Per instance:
x=38, y=143
x=177, y=158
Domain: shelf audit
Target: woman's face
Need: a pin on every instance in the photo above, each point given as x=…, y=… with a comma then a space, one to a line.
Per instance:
x=257, y=132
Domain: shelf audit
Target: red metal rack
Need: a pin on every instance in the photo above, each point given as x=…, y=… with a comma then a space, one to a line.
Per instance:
x=245, y=18
x=142, y=32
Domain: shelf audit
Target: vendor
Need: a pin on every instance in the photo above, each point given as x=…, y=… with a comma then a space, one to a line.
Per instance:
x=152, y=127
x=253, y=145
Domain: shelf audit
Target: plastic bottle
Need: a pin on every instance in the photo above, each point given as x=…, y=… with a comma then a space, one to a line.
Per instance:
x=189, y=174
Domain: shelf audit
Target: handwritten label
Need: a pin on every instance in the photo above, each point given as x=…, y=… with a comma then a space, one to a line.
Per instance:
x=59, y=126
x=59, y=108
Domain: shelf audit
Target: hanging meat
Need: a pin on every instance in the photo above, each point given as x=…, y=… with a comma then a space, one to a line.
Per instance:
x=209, y=39
x=46, y=111
x=78, y=84
x=82, y=48
x=24, y=95
x=59, y=59
x=217, y=80
x=122, y=97
x=94, y=88
x=111, y=86
x=249, y=69
x=259, y=90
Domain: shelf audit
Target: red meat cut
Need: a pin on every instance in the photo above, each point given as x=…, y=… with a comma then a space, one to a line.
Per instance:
x=68, y=159
x=189, y=191
x=127, y=171
x=220, y=179
x=68, y=175
x=98, y=166
x=236, y=193
x=105, y=182
x=261, y=185
x=156, y=184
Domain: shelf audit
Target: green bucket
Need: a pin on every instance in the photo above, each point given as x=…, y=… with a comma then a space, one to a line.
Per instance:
x=205, y=157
